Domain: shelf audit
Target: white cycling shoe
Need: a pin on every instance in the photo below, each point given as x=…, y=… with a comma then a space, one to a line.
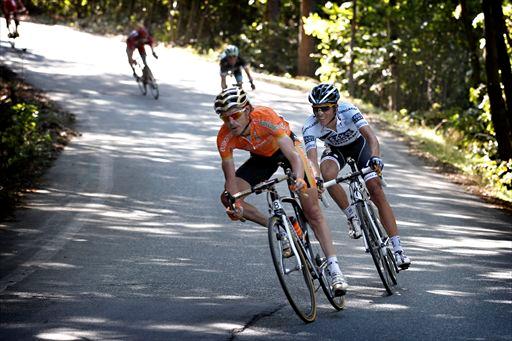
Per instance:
x=354, y=227
x=402, y=261
x=338, y=284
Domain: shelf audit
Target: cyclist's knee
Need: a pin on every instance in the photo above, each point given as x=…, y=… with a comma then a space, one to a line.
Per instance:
x=329, y=170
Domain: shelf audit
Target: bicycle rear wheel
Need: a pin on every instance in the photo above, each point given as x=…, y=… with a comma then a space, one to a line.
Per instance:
x=374, y=247
x=295, y=279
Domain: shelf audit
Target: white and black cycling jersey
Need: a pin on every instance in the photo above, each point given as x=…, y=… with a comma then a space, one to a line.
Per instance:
x=348, y=121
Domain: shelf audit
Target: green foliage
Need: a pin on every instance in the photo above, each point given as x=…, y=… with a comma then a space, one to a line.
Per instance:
x=21, y=140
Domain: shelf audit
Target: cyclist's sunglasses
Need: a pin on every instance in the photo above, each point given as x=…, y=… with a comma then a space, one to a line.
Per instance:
x=323, y=107
x=236, y=115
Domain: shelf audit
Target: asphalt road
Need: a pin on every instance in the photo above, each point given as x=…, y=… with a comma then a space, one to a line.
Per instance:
x=126, y=238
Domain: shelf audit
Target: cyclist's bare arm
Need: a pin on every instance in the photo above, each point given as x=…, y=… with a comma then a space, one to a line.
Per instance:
x=313, y=161
x=371, y=138
x=288, y=149
x=228, y=167
x=247, y=71
x=223, y=84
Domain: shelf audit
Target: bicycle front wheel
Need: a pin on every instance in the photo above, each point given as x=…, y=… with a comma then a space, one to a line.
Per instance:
x=153, y=87
x=388, y=256
x=295, y=277
x=374, y=246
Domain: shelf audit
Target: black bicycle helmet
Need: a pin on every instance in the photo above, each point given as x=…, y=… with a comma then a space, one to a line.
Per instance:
x=230, y=98
x=324, y=93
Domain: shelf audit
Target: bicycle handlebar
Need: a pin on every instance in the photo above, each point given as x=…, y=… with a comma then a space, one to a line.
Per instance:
x=352, y=175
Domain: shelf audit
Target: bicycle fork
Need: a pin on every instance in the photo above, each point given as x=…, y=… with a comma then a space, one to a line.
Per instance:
x=279, y=212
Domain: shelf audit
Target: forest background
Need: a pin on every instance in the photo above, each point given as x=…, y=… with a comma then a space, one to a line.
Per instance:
x=440, y=69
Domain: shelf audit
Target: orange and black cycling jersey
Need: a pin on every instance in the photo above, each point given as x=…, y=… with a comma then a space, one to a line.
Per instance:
x=266, y=127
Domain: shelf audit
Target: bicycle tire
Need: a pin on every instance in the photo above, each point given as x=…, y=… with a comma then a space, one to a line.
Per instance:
x=142, y=87
x=297, y=284
x=374, y=247
x=391, y=266
x=153, y=87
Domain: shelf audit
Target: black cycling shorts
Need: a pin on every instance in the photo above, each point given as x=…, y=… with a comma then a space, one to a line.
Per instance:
x=359, y=150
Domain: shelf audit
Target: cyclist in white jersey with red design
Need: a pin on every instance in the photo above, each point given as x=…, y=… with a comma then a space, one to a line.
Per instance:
x=346, y=133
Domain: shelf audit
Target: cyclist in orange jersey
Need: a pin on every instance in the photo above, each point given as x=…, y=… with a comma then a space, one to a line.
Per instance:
x=268, y=138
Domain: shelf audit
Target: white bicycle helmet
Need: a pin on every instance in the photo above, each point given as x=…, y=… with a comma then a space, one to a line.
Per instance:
x=324, y=93
x=231, y=50
x=230, y=98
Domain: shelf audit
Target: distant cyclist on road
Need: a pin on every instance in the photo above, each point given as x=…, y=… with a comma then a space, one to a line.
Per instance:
x=11, y=10
x=268, y=138
x=136, y=40
x=232, y=62
x=345, y=132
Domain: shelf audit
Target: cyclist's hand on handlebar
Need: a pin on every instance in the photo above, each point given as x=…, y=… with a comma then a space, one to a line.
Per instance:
x=320, y=186
x=155, y=55
x=299, y=185
x=376, y=163
x=252, y=85
x=235, y=211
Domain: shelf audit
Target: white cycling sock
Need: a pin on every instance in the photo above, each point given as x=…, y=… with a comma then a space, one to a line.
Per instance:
x=333, y=266
x=395, y=241
x=349, y=211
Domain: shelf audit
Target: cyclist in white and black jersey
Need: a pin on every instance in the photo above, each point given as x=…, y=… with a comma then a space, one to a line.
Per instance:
x=345, y=132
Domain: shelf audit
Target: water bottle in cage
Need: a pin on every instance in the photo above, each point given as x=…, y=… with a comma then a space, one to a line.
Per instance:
x=296, y=226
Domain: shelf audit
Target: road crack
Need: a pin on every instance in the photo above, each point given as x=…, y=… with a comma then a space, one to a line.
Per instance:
x=253, y=321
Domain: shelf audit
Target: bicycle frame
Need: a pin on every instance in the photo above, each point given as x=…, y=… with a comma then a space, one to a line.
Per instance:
x=370, y=224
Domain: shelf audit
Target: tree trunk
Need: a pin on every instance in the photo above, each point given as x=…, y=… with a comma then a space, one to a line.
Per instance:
x=503, y=58
x=476, y=69
x=393, y=59
x=192, y=16
x=305, y=65
x=273, y=10
x=353, y=26
x=499, y=115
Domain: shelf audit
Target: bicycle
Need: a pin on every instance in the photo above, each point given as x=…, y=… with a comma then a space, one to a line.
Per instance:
x=375, y=239
x=144, y=78
x=12, y=28
x=303, y=272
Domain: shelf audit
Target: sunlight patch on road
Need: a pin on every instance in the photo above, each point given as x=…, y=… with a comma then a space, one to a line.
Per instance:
x=385, y=306
x=202, y=226
x=473, y=246
x=68, y=334
x=453, y=215
x=451, y=293
x=51, y=265
x=133, y=215
x=507, y=274
x=148, y=230
x=409, y=223
x=191, y=328
x=499, y=301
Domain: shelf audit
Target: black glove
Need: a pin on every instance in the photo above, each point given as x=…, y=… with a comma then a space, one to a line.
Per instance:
x=376, y=162
x=154, y=55
x=253, y=86
x=319, y=183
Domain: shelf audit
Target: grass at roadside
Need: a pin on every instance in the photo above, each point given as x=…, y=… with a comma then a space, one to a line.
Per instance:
x=33, y=130
x=441, y=151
